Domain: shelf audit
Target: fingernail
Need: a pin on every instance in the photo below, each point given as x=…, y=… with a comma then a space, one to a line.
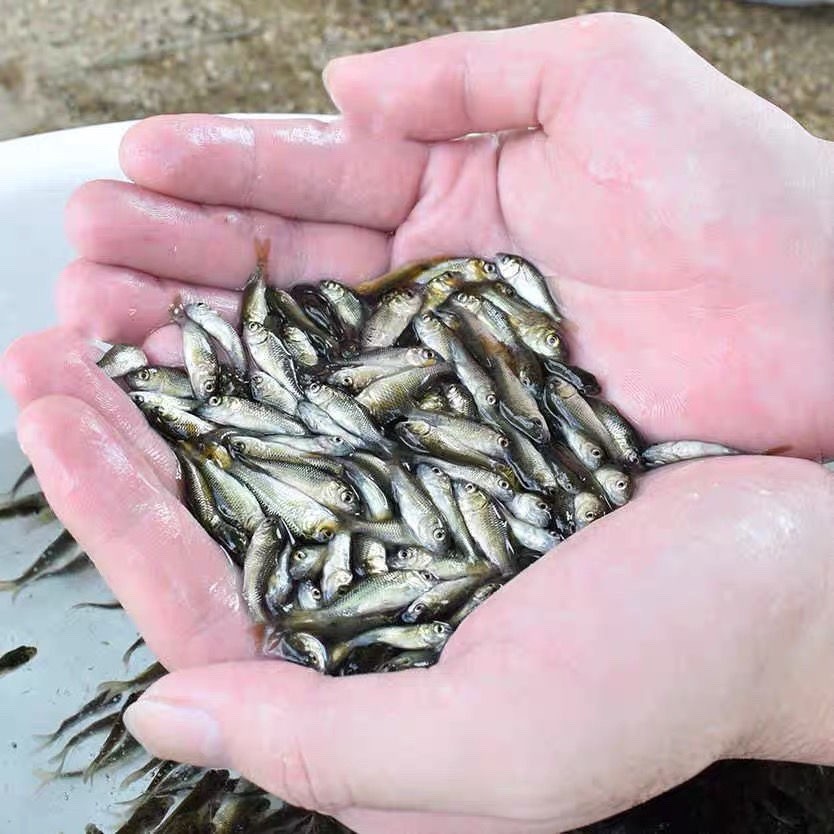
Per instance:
x=327, y=77
x=176, y=731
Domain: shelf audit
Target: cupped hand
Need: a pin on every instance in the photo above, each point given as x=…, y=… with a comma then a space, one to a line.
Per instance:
x=688, y=227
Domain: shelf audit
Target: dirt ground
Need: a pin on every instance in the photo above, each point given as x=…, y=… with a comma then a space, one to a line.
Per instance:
x=74, y=62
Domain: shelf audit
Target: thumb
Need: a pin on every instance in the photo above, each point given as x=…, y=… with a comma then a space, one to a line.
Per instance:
x=477, y=82
x=376, y=741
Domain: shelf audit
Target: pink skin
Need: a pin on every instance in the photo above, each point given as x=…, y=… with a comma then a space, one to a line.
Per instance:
x=689, y=227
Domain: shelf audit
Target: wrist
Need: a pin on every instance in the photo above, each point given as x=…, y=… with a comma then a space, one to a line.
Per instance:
x=788, y=711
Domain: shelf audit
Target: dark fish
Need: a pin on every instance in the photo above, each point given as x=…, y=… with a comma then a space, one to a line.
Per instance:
x=27, y=474
x=16, y=658
x=105, y=606
x=140, y=641
x=147, y=676
x=202, y=794
x=61, y=551
x=140, y=772
x=101, y=701
x=26, y=505
x=147, y=815
x=98, y=726
x=115, y=738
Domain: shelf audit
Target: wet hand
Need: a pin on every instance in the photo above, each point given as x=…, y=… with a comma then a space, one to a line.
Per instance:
x=670, y=205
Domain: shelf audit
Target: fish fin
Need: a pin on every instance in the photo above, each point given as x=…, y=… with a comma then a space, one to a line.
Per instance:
x=112, y=687
x=262, y=250
x=28, y=472
x=9, y=585
x=46, y=739
x=778, y=450
x=176, y=310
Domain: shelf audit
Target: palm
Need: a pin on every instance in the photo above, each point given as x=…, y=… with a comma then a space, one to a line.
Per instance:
x=697, y=275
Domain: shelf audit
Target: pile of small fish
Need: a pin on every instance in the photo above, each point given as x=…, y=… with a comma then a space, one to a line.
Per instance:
x=378, y=462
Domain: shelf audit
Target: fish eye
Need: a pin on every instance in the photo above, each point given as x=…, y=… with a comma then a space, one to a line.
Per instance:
x=201, y=304
x=503, y=483
x=439, y=628
x=253, y=325
x=427, y=575
x=348, y=380
x=596, y=453
x=426, y=353
x=552, y=339
x=209, y=387
x=540, y=505
x=144, y=374
x=489, y=267
x=470, y=488
x=347, y=496
x=418, y=608
x=590, y=515
x=315, y=593
x=621, y=484
x=314, y=387
x=491, y=399
x=238, y=446
x=299, y=555
x=215, y=400
x=503, y=442
x=438, y=534
x=436, y=470
x=326, y=535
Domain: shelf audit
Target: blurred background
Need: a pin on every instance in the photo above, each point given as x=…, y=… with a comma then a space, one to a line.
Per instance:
x=74, y=62
x=65, y=63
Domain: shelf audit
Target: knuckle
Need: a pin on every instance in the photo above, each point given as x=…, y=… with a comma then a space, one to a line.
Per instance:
x=299, y=781
x=630, y=33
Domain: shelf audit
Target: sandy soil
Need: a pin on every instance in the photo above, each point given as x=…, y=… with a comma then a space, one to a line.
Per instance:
x=73, y=62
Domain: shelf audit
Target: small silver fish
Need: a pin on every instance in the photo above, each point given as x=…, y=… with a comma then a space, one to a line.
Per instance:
x=220, y=330
x=120, y=360
x=528, y=282
x=674, y=451
x=200, y=359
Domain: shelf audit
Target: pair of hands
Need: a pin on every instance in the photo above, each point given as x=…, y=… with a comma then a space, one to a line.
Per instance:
x=691, y=229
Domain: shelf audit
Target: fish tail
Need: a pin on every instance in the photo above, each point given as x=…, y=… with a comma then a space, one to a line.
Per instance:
x=9, y=585
x=112, y=688
x=262, y=249
x=45, y=777
x=45, y=740
x=777, y=450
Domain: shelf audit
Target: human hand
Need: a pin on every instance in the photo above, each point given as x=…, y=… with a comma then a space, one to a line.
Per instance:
x=604, y=634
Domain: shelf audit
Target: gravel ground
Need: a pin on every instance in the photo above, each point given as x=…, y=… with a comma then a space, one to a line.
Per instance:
x=73, y=62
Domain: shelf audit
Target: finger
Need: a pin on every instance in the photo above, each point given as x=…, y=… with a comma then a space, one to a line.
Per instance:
x=172, y=579
x=123, y=305
x=468, y=82
x=384, y=822
x=58, y=361
x=124, y=225
x=300, y=168
x=317, y=742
